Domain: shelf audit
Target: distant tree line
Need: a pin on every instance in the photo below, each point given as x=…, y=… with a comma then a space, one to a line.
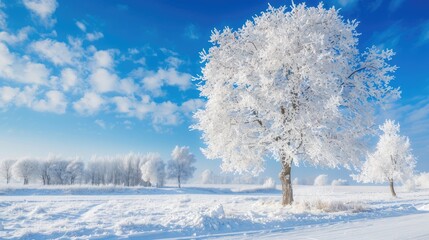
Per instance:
x=133, y=169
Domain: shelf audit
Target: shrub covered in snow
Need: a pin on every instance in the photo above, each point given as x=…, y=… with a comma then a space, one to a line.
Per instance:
x=321, y=180
x=339, y=182
x=269, y=183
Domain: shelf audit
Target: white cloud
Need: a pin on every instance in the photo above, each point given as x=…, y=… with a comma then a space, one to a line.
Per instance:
x=103, y=81
x=3, y=17
x=81, y=26
x=171, y=77
x=54, y=102
x=191, y=106
x=35, y=73
x=69, y=79
x=166, y=113
x=21, y=36
x=94, y=36
x=21, y=69
x=56, y=52
x=191, y=32
x=100, y=123
x=123, y=104
x=26, y=96
x=43, y=9
x=7, y=59
x=173, y=62
x=128, y=86
x=89, y=104
x=103, y=59
x=7, y=95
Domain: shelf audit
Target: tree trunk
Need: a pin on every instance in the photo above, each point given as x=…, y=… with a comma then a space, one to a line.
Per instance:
x=178, y=180
x=392, y=189
x=285, y=178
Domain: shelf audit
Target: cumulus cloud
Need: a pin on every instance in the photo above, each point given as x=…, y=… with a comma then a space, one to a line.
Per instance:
x=54, y=101
x=7, y=95
x=44, y=9
x=21, y=69
x=190, y=106
x=11, y=39
x=167, y=113
x=103, y=81
x=69, y=79
x=89, y=104
x=154, y=81
x=56, y=52
x=103, y=59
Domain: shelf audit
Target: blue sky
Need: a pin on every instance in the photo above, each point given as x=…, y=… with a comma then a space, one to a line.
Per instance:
x=108, y=77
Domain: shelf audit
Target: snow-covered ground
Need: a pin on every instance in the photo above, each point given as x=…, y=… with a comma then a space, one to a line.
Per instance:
x=212, y=211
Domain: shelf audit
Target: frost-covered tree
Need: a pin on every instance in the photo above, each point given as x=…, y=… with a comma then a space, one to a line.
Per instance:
x=58, y=170
x=180, y=166
x=74, y=170
x=207, y=177
x=392, y=159
x=153, y=170
x=292, y=86
x=44, y=172
x=6, y=169
x=25, y=169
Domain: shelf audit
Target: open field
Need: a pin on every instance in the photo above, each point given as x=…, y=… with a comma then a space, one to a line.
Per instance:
x=204, y=211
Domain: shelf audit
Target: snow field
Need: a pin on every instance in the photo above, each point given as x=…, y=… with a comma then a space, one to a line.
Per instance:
x=192, y=212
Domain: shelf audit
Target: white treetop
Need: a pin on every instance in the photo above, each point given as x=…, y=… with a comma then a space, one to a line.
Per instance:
x=293, y=86
x=180, y=166
x=392, y=159
x=153, y=170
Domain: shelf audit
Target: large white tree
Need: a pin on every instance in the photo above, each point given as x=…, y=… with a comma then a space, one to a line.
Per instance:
x=180, y=166
x=392, y=159
x=292, y=86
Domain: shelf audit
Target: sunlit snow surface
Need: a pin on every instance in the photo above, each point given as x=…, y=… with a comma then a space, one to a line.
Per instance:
x=209, y=211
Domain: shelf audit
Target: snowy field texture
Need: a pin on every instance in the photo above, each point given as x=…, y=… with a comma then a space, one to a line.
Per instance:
x=212, y=211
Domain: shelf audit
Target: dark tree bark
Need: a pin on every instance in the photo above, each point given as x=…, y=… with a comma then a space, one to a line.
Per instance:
x=392, y=189
x=285, y=178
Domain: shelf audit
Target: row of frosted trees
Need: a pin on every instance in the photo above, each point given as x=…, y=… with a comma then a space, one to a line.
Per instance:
x=133, y=169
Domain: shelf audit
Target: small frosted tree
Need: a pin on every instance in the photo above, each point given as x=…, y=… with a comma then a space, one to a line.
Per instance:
x=392, y=159
x=291, y=86
x=180, y=166
x=26, y=169
x=74, y=170
x=6, y=169
x=153, y=170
